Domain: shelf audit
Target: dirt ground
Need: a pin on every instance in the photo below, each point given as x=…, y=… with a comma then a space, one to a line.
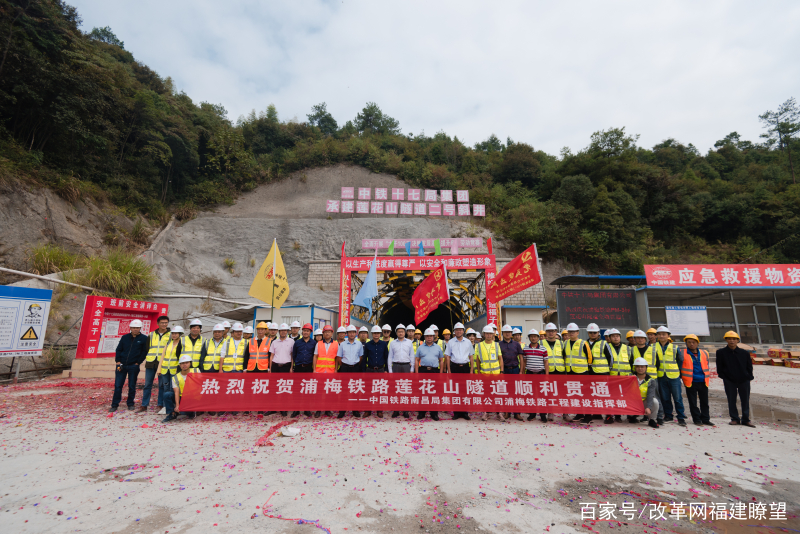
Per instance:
x=68, y=465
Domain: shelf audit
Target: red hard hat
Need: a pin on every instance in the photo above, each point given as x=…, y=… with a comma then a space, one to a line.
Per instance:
x=327, y=328
x=308, y=325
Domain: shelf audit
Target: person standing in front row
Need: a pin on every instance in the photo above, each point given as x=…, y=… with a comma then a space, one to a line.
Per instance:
x=489, y=360
x=618, y=358
x=512, y=357
x=280, y=352
x=131, y=352
x=735, y=368
x=349, y=359
x=429, y=359
x=168, y=362
x=303, y=357
x=325, y=357
x=158, y=340
x=401, y=353
x=233, y=354
x=375, y=353
x=536, y=362
x=458, y=358
x=669, y=376
x=695, y=374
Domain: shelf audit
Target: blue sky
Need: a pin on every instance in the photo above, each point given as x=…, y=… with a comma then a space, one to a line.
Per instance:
x=545, y=73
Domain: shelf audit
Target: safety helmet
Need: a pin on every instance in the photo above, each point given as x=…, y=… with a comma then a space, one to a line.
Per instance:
x=550, y=326
x=418, y=331
x=592, y=327
x=237, y=327
x=218, y=328
x=386, y=327
x=470, y=331
x=640, y=361
x=488, y=329
x=341, y=330
x=611, y=331
x=318, y=332
x=478, y=335
x=196, y=322
x=226, y=324
x=400, y=327
x=327, y=328
x=407, y=327
x=457, y=326
x=533, y=332
x=308, y=326
x=248, y=329
x=434, y=327
x=506, y=328
x=564, y=332
x=176, y=329
x=516, y=331
x=629, y=334
x=542, y=333
x=283, y=326
x=351, y=328
x=295, y=324
x=571, y=327
x=185, y=358
x=639, y=333
x=136, y=323
x=376, y=329
x=273, y=326
x=429, y=332
x=363, y=329
x=731, y=333
x=446, y=331
x=662, y=329
x=262, y=324
x=691, y=336
x=652, y=331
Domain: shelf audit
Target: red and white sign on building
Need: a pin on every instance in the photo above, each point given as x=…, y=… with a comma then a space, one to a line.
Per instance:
x=333, y=206
x=398, y=193
x=413, y=195
x=731, y=275
x=462, y=242
x=391, y=208
x=376, y=208
x=381, y=193
x=364, y=193
x=348, y=193
x=439, y=202
x=348, y=206
x=446, y=195
x=106, y=320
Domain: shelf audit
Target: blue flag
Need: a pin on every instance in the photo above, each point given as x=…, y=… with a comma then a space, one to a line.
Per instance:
x=408, y=248
x=369, y=289
x=421, y=251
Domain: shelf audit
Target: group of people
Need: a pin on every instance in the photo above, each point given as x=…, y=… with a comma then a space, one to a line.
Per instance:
x=658, y=364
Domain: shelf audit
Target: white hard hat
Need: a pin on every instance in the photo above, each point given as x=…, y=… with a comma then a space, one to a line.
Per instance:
x=429, y=332
x=516, y=331
x=407, y=327
x=318, y=332
x=494, y=327
x=273, y=326
x=572, y=326
x=591, y=328
x=639, y=333
x=196, y=322
x=341, y=330
x=533, y=332
x=386, y=327
x=218, y=326
x=470, y=331
x=550, y=326
x=640, y=361
x=612, y=331
x=506, y=328
x=363, y=329
x=376, y=329
x=434, y=327
x=458, y=325
x=177, y=329
x=400, y=327
x=295, y=324
x=478, y=335
x=136, y=323
x=283, y=326
x=185, y=358
x=237, y=327
x=662, y=329
x=488, y=329
x=248, y=329
x=226, y=324
x=352, y=328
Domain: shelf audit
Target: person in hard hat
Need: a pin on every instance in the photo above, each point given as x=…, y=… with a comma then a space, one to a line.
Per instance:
x=629, y=339
x=227, y=326
x=247, y=333
x=446, y=335
x=341, y=334
x=471, y=336
x=648, y=391
x=172, y=399
x=417, y=339
x=376, y=353
x=363, y=334
x=536, y=362
x=458, y=358
x=576, y=357
x=696, y=375
x=256, y=352
x=619, y=362
x=428, y=359
x=317, y=335
x=642, y=349
x=436, y=340
x=158, y=340
x=735, y=368
x=192, y=344
x=401, y=354
x=233, y=354
x=325, y=356
x=478, y=337
x=513, y=357
x=386, y=335
x=168, y=362
x=350, y=357
x=669, y=376
x=131, y=352
x=489, y=360
x=211, y=353
x=564, y=335
x=597, y=354
x=652, y=336
x=295, y=330
x=516, y=335
x=303, y=357
x=557, y=362
x=280, y=352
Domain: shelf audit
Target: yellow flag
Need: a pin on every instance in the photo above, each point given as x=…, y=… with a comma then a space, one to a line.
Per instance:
x=271, y=276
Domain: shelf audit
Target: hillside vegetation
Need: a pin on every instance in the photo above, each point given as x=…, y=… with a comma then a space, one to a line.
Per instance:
x=81, y=115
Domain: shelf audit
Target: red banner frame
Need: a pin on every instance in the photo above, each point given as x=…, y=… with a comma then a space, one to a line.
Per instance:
x=608, y=395
x=98, y=310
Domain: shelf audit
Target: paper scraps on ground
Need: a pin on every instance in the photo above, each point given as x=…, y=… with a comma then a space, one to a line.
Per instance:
x=265, y=441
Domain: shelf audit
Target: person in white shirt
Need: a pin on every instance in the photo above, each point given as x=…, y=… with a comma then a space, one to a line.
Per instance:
x=401, y=354
x=458, y=358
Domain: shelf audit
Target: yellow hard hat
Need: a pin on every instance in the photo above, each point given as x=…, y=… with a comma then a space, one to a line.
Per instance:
x=652, y=331
x=417, y=331
x=446, y=331
x=629, y=334
x=731, y=333
x=691, y=336
x=262, y=324
x=542, y=333
x=564, y=332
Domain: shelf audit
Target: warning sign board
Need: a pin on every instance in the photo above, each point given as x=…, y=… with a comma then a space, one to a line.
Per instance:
x=23, y=320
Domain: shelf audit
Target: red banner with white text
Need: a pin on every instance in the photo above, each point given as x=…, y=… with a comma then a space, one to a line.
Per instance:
x=738, y=275
x=615, y=395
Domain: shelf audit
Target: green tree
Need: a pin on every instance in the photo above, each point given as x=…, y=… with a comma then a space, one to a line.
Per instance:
x=323, y=120
x=373, y=120
x=782, y=125
x=105, y=35
x=519, y=165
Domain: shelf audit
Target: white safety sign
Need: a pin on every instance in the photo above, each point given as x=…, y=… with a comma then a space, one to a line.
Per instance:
x=23, y=320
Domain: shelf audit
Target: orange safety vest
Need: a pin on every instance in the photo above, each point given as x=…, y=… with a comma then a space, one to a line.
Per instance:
x=687, y=369
x=259, y=357
x=326, y=357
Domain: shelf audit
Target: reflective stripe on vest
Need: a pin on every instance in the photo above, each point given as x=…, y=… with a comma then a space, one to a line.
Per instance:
x=555, y=356
x=157, y=347
x=667, y=364
x=259, y=356
x=687, y=369
x=326, y=357
x=231, y=362
x=599, y=360
x=488, y=363
x=192, y=349
x=649, y=356
x=643, y=387
x=620, y=364
x=170, y=362
x=578, y=363
x=213, y=353
x=181, y=380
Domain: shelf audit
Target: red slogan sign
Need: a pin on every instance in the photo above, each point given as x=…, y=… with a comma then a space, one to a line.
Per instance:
x=106, y=320
x=430, y=293
x=616, y=395
x=733, y=275
x=521, y=273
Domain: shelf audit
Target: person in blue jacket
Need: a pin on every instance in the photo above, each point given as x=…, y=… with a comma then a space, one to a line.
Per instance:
x=131, y=352
x=376, y=356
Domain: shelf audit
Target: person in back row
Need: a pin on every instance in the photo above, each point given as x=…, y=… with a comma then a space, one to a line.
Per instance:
x=341, y=334
x=318, y=335
x=536, y=362
x=192, y=344
x=172, y=399
x=458, y=358
x=647, y=390
x=294, y=333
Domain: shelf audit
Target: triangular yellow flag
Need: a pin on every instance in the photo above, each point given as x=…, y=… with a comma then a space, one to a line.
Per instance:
x=271, y=276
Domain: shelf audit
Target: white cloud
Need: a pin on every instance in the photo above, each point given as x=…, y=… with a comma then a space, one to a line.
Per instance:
x=548, y=74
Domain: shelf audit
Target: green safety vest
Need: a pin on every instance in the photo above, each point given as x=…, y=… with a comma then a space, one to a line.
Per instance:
x=213, y=353
x=667, y=364
x=157, y=344
x=555, y=356
x=620, y=365
x=599, y=360
x=488, y=359
x=578, y=363
x=192, y=349
x=234, y=361
x=170, y=362
x=648, y=355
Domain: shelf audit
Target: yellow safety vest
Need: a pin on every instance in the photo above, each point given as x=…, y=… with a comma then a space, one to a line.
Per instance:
x=644, y=386
x=170, y=362
x=157, y=344
x=192, y=349
x=578, y=363
x=555, y=356
x=442, y=344
x=179, y=380
x=232, y=362
x=599, y=360
x=620, y=364
x=213, y=353
x=647, y=355
x=488, y=362
x=667, y=364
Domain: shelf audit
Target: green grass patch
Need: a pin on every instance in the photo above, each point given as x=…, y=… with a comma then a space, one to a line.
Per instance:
x=47, y=258
x=120, y=274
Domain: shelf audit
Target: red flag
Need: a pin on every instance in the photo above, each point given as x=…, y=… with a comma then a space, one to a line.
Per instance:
x=430, y=293
x=521, y=273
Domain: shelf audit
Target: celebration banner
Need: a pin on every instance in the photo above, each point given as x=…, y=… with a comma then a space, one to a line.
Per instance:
x=521, y=273
x=430, y=293
x=615, y=395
